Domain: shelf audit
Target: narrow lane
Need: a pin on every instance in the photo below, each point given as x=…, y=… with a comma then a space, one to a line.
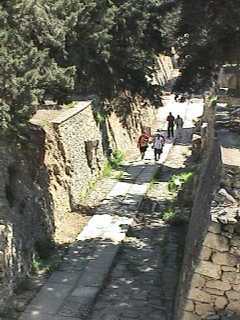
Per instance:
x=143, y=281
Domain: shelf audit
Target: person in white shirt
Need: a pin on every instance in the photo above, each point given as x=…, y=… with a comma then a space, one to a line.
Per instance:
x=179, y=125
x=158, y=144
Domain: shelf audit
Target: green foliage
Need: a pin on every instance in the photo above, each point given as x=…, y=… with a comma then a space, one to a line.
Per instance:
x=116, y=159
x=113, y=163
x=174, y=217
x=119, y=175
x=99, y=117
x=169, y=215
x=107, y=169
x=208, y=36
x=177, y=182
x=28, y=30
x=45, y=265
x=113, y=43
x=53, y=48
x=46, y=258
x=91, y=185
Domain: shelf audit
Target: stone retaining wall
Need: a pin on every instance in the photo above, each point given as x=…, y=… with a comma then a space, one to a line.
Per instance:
x=26, y=214
x=77, y=148
x=209, y=286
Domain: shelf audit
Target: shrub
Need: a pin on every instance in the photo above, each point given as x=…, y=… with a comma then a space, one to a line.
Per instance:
x=116, y=159
x=174, y=217
x=177, y=182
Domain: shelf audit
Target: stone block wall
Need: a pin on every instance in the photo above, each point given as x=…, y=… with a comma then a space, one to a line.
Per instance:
x=76, y=148
x=76, y=129
x=209, y=286
x=214, y=287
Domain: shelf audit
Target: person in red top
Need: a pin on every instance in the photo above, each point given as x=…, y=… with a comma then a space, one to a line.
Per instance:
x=170, y=128
x=143, y=141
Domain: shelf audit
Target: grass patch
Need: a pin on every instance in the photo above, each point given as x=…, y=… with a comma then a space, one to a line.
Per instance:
x=90, y=187
x=100, y=117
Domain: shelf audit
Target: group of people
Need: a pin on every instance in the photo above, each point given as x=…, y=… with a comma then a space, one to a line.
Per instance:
x=158, y=140
x=172, y=121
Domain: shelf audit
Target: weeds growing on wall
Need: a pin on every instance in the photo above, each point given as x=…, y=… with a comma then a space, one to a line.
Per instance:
x=177, y=211
x=90, y=187
x=107, y=169
x=47, y=265
x=113, y=163
x=116, y=159
x=100, y=117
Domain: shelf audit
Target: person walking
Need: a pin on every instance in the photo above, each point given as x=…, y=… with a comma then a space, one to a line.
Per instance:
x=158, y=144
x=179, y=125
x=143, y=141
x=170, y=128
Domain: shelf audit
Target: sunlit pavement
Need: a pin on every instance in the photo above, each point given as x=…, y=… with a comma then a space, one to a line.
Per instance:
x=189, y=110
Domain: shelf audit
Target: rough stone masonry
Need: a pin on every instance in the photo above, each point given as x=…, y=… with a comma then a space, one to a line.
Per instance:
x=210, y=282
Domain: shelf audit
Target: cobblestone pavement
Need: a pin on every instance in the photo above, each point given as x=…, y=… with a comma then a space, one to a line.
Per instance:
x=143, y=282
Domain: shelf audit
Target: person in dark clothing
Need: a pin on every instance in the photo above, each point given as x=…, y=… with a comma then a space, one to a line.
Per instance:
x=170, y=128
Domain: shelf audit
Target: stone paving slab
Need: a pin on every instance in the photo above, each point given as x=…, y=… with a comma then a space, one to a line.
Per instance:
x=45, y=316
x=48, y=300
x=64, y=277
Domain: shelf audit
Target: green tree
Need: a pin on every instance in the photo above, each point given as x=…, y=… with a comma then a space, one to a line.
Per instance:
x=208, y=36
x=26, y=66
x=56, y=47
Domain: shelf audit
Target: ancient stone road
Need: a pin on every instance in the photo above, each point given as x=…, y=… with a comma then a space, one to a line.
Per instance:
x=143, y=282
x=139, y=286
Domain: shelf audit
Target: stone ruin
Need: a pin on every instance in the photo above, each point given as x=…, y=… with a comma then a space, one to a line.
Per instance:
x=209, y=285
x=215, y=284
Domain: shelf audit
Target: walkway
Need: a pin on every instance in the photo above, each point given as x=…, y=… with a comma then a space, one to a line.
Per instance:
x=143, y=281
x=71, y=291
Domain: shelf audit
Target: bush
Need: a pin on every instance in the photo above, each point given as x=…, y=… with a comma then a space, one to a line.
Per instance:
x=174, y=217
x=177, y=182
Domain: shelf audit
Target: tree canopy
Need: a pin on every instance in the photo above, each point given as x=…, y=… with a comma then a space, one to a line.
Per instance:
x=208, y=36
x=55, y=47
x=27, y=30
